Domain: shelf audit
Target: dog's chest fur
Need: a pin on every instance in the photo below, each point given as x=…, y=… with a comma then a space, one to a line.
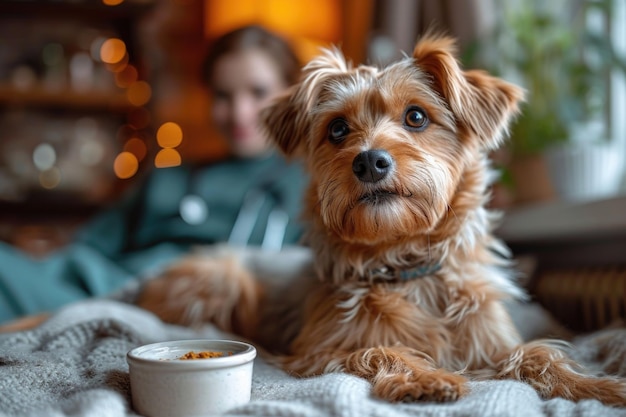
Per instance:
x=434, y=315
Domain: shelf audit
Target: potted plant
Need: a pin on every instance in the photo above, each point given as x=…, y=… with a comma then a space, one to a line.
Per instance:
x=565, y=66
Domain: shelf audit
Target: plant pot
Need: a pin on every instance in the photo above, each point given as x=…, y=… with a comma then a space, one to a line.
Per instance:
x=531, y=179
x=585, y=171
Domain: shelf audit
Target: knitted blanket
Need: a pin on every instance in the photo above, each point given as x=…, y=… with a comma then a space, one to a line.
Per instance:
x=75, y=365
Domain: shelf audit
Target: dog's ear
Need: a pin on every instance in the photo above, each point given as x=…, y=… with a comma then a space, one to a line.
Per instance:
x=288, y=119
x=285, y=121
x=483, y=104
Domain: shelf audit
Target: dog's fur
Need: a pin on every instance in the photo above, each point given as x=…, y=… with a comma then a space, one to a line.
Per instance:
x=409, y=282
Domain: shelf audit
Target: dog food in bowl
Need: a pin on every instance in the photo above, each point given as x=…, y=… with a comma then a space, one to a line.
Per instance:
x=187, y=378
x=206, y=354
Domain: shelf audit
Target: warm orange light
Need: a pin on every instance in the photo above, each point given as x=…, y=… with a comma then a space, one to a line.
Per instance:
x=112, y=2
x=169, y=135
x=309, y=24
x=139, y=93
x=137, y=147
x=112, y=51
x=166, y=158
x=120, y=65
x=314, y=19
x=125, y=165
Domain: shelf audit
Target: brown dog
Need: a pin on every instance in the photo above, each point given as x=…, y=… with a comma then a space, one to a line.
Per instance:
x=409, y=282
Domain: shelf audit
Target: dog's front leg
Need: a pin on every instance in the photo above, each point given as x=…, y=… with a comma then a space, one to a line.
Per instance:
x=545, y=366
x=400, y=374
x=397, y=373
x=201, y=289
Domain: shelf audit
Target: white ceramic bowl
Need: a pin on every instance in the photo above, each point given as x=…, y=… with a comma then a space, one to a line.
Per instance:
x=163, y=385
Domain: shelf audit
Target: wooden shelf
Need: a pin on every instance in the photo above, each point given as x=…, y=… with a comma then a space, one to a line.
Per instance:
x=65, y=99
x=50, y=105
x=572, y=234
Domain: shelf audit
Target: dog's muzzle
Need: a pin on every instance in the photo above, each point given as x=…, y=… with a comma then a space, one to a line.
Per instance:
x=372, y=165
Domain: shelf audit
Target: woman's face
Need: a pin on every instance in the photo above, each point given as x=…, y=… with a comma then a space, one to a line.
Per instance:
x=243, y=82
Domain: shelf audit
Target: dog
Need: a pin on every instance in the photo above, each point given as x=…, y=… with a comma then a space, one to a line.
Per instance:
x=406, y=283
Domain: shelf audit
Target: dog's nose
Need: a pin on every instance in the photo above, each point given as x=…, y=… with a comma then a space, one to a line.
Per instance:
x=372, y=165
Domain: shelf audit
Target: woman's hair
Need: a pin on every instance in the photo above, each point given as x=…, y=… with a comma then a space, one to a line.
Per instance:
x=253, y=37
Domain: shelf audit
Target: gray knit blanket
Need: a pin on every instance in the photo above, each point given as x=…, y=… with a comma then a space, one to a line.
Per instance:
x=75, y=365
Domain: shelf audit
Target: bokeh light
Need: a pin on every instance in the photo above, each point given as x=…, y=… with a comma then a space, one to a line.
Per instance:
x=139, y=93
x=120, y=65
x=137, y=147
x=125, y=165
x=44, y=156
x=169, y=135
x=50, y=178
x=91, y=152
x=167, y=157
x=112, y=2
x=112, y=51
x=126, y=77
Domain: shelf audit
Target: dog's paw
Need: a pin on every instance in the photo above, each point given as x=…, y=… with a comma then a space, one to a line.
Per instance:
x=608, y=390
x=437, y=386
x=199, y=289
x=544, y=365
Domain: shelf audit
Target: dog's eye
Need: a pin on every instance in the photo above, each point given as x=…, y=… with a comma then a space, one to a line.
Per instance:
x=338, y=130
x=415, y=118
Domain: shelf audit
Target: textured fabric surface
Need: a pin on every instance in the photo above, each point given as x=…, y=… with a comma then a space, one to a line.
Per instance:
x=75, y=365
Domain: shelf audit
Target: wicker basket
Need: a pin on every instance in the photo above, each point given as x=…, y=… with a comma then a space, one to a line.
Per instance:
x=583, y=299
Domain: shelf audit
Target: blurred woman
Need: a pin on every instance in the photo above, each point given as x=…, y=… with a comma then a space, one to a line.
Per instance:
x=250, y=198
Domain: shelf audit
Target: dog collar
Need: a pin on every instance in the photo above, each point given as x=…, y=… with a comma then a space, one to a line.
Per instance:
x=385, y=274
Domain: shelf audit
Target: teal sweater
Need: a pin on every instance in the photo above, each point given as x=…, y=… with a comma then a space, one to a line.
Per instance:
x=146, y=230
